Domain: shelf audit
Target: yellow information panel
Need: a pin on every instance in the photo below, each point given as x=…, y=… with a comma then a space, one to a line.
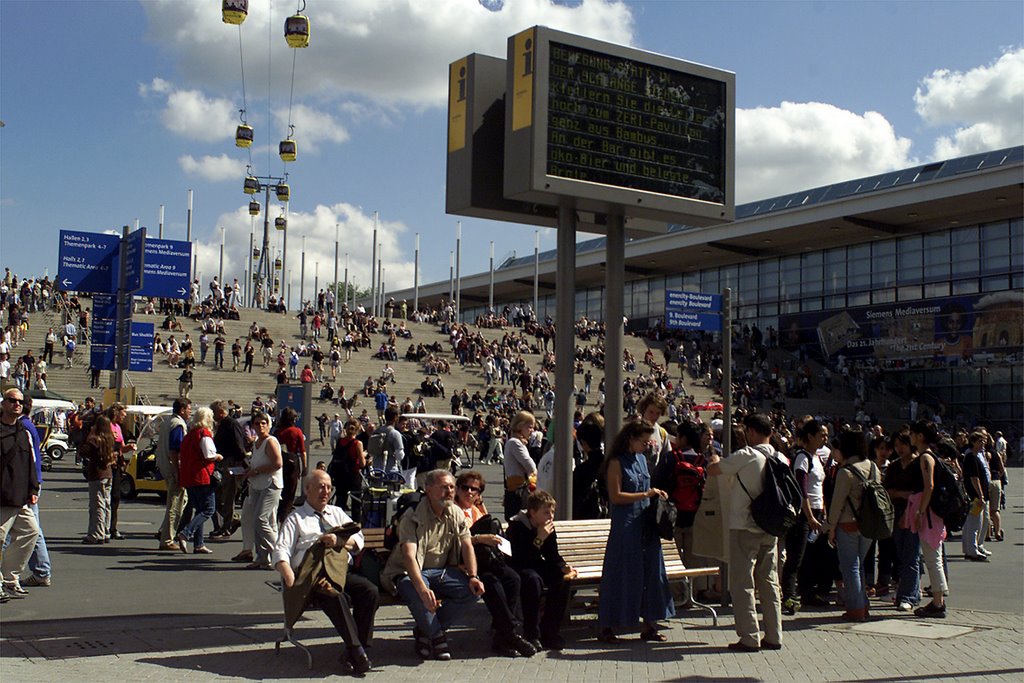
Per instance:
x=522, y=86
x=458, y=88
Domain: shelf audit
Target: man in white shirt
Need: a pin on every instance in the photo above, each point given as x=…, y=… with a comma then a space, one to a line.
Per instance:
x=352, y=611
x=753, y=554
x=5, y=367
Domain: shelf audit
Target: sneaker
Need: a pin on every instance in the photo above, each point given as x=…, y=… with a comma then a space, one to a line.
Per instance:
x=790, y=607
x=440, y=646
x=4, y=597
x=984, y=551
x=904, y=606
x=35, y=580
x=931, y=611
x=976, y=558
x=14, y=589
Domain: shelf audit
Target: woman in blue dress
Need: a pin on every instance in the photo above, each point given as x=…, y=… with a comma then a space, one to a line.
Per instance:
x=633, y=582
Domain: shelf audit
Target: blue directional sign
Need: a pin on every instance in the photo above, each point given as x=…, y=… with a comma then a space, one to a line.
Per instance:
x=104, y=306
x=678, y=300
x=166, y=269
x=140, y=353
x=132, y=253
x=104, y=331
x=693, y=311
x=88, y=262
x=101, y=356
x=693, y=320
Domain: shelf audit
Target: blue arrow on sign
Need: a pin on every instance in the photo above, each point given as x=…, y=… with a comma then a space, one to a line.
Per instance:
x=166, y=269
x=88, y=262
x=133, y=255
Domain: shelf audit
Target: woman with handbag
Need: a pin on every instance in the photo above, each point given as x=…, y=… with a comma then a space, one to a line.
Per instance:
x=520, y=468
x=266, y=480
x=634, y=585
x=97, y=453
x=500, y=580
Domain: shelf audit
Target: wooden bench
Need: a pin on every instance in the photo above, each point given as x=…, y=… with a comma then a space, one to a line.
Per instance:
x=582, y=544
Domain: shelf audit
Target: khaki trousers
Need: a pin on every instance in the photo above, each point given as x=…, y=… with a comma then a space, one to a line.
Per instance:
x=753, y=561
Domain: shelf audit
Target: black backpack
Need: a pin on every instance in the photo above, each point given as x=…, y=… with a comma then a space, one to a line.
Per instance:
x=776, y=508
x=949, y=498
x=405, y=502
x=875, y=516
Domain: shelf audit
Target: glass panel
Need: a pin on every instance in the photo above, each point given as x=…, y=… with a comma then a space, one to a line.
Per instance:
x=858, y=273
x=860, y=251
x=813, y=304
x=964, y=251
x=835, y=302
x=936, y=264
x=691, y=281
x=789, y=306
x=1017, y=242
x=936, y=240
x=811, y=288
x=674, y=282
x=729, y=277
x=709, y=281
x=995, y=284
x=859, y=298
x=965, y=286
x=883, y=296
x=746, y=312
x=768, y=309
x=909, y=292
x=937, y=289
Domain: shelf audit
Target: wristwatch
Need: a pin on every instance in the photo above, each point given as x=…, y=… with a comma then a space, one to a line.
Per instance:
x=472, y=576
x=537, y=542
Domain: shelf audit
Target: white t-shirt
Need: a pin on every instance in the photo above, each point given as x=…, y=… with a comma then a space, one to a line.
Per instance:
x=813, y=488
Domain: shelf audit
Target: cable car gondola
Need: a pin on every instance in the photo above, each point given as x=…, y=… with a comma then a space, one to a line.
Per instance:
x=288, y=150
x=255, y=252
x=284, y=192
x=254, y=208
x=280, y=223
x=296, y=30
x=234, y=11
x=243, y=135
x=277, y=264
x=251, y=185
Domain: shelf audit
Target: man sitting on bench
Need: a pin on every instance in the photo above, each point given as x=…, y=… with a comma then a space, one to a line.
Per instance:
x=352, y=610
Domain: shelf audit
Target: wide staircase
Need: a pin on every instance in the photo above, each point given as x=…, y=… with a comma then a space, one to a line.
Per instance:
x=160, y=387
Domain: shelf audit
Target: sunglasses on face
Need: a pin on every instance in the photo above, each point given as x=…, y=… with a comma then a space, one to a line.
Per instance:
x=15, y=401
x=472, y=489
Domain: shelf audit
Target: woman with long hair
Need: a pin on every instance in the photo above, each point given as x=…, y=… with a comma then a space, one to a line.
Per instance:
x=520, y=468
x=634, y=585
x=929, y=527
x=98, y=453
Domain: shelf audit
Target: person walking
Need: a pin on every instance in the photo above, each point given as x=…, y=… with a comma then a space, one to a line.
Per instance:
x=168, y=449
x=195, y=467
x=19, y=488
x=97, y=453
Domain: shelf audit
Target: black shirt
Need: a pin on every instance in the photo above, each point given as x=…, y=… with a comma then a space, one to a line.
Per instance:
x=899, y=478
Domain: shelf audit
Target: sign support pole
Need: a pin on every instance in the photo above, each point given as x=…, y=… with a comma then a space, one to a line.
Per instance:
x=124, y=320
x=565, y=348
x=615, y=248
x=416, y=277
x=727, y=371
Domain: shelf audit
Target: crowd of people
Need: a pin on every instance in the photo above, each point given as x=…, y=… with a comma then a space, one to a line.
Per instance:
x=445, y=555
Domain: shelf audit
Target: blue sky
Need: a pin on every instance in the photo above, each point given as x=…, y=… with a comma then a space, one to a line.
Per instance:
x=112, y=108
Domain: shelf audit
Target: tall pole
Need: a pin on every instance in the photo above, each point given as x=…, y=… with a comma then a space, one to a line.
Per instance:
x=490, y=288
x=284, y=248
x=160, y=232
x=458, y=270
x=316, y=279
x=416, y=277
x=727, y=370
x=248, y=267
x=373, y=269
x=383, y=278
x=379, y=301
x=302, y=276
x=335, y=268
x=615, y=247
x=565, y=347
x=346, y=280
x=536, y=274
x=220, y=269
x=188, y=234
x=451, y=277
x=289, y=285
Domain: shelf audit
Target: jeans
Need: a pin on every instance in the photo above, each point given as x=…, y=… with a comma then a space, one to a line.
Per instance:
x=908, y=553
x=202, y=500
x=218, y=357
x=974, y=529
x=39, y=562
x=852, y=548
x=451, y=588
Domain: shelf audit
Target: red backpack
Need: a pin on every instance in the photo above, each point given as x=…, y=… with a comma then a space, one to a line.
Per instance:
x=690, y=475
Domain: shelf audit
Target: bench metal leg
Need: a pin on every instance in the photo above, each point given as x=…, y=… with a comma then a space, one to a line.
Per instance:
x=688, y=598
x=287, y=636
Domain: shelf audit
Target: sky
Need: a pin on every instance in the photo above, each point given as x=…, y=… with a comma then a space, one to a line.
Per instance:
x=112, y=108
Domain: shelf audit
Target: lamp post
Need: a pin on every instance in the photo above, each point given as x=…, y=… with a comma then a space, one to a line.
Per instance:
x=373, y=270
x=490, y=289
x=536, y=274
x=263, y=275
x=416, y=277
x=335, y=268
x=458, y=269
x=220, y=269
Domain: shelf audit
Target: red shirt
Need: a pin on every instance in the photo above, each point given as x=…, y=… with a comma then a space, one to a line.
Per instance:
x=292, y=440
x=193, y=468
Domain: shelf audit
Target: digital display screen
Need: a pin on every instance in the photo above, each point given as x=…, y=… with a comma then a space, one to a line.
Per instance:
x=630, y=124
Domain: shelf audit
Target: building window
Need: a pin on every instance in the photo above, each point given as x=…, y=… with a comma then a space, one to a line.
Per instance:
x=908, y=292
x=936, y=289
x=883, y=296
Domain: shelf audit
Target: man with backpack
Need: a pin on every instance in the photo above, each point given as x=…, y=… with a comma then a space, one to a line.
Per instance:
x=753, y=553
x=385, y=447
x=682, y=475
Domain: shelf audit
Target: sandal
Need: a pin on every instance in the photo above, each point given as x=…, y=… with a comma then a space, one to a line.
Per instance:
x=651, y=635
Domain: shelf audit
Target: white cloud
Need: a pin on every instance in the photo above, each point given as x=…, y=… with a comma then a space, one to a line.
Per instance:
x=213, y=168
x=801, y=145
x=385, y=51
x=312, y=127
x=984, y=104
x=191, y=114
x=355, y=235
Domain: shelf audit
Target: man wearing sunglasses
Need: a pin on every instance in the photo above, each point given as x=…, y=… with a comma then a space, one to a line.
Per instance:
x=19, y=488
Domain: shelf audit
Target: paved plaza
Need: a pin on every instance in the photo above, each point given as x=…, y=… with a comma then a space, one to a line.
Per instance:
x=126, y=611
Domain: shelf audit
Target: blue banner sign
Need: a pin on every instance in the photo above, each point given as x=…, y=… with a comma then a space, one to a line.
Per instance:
x=104, y=306
x=133, y=251
x=104, y=331
x=88, y=262
x=101, y=356
x=678, y=300
x=693, y=320
x=166, y=269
